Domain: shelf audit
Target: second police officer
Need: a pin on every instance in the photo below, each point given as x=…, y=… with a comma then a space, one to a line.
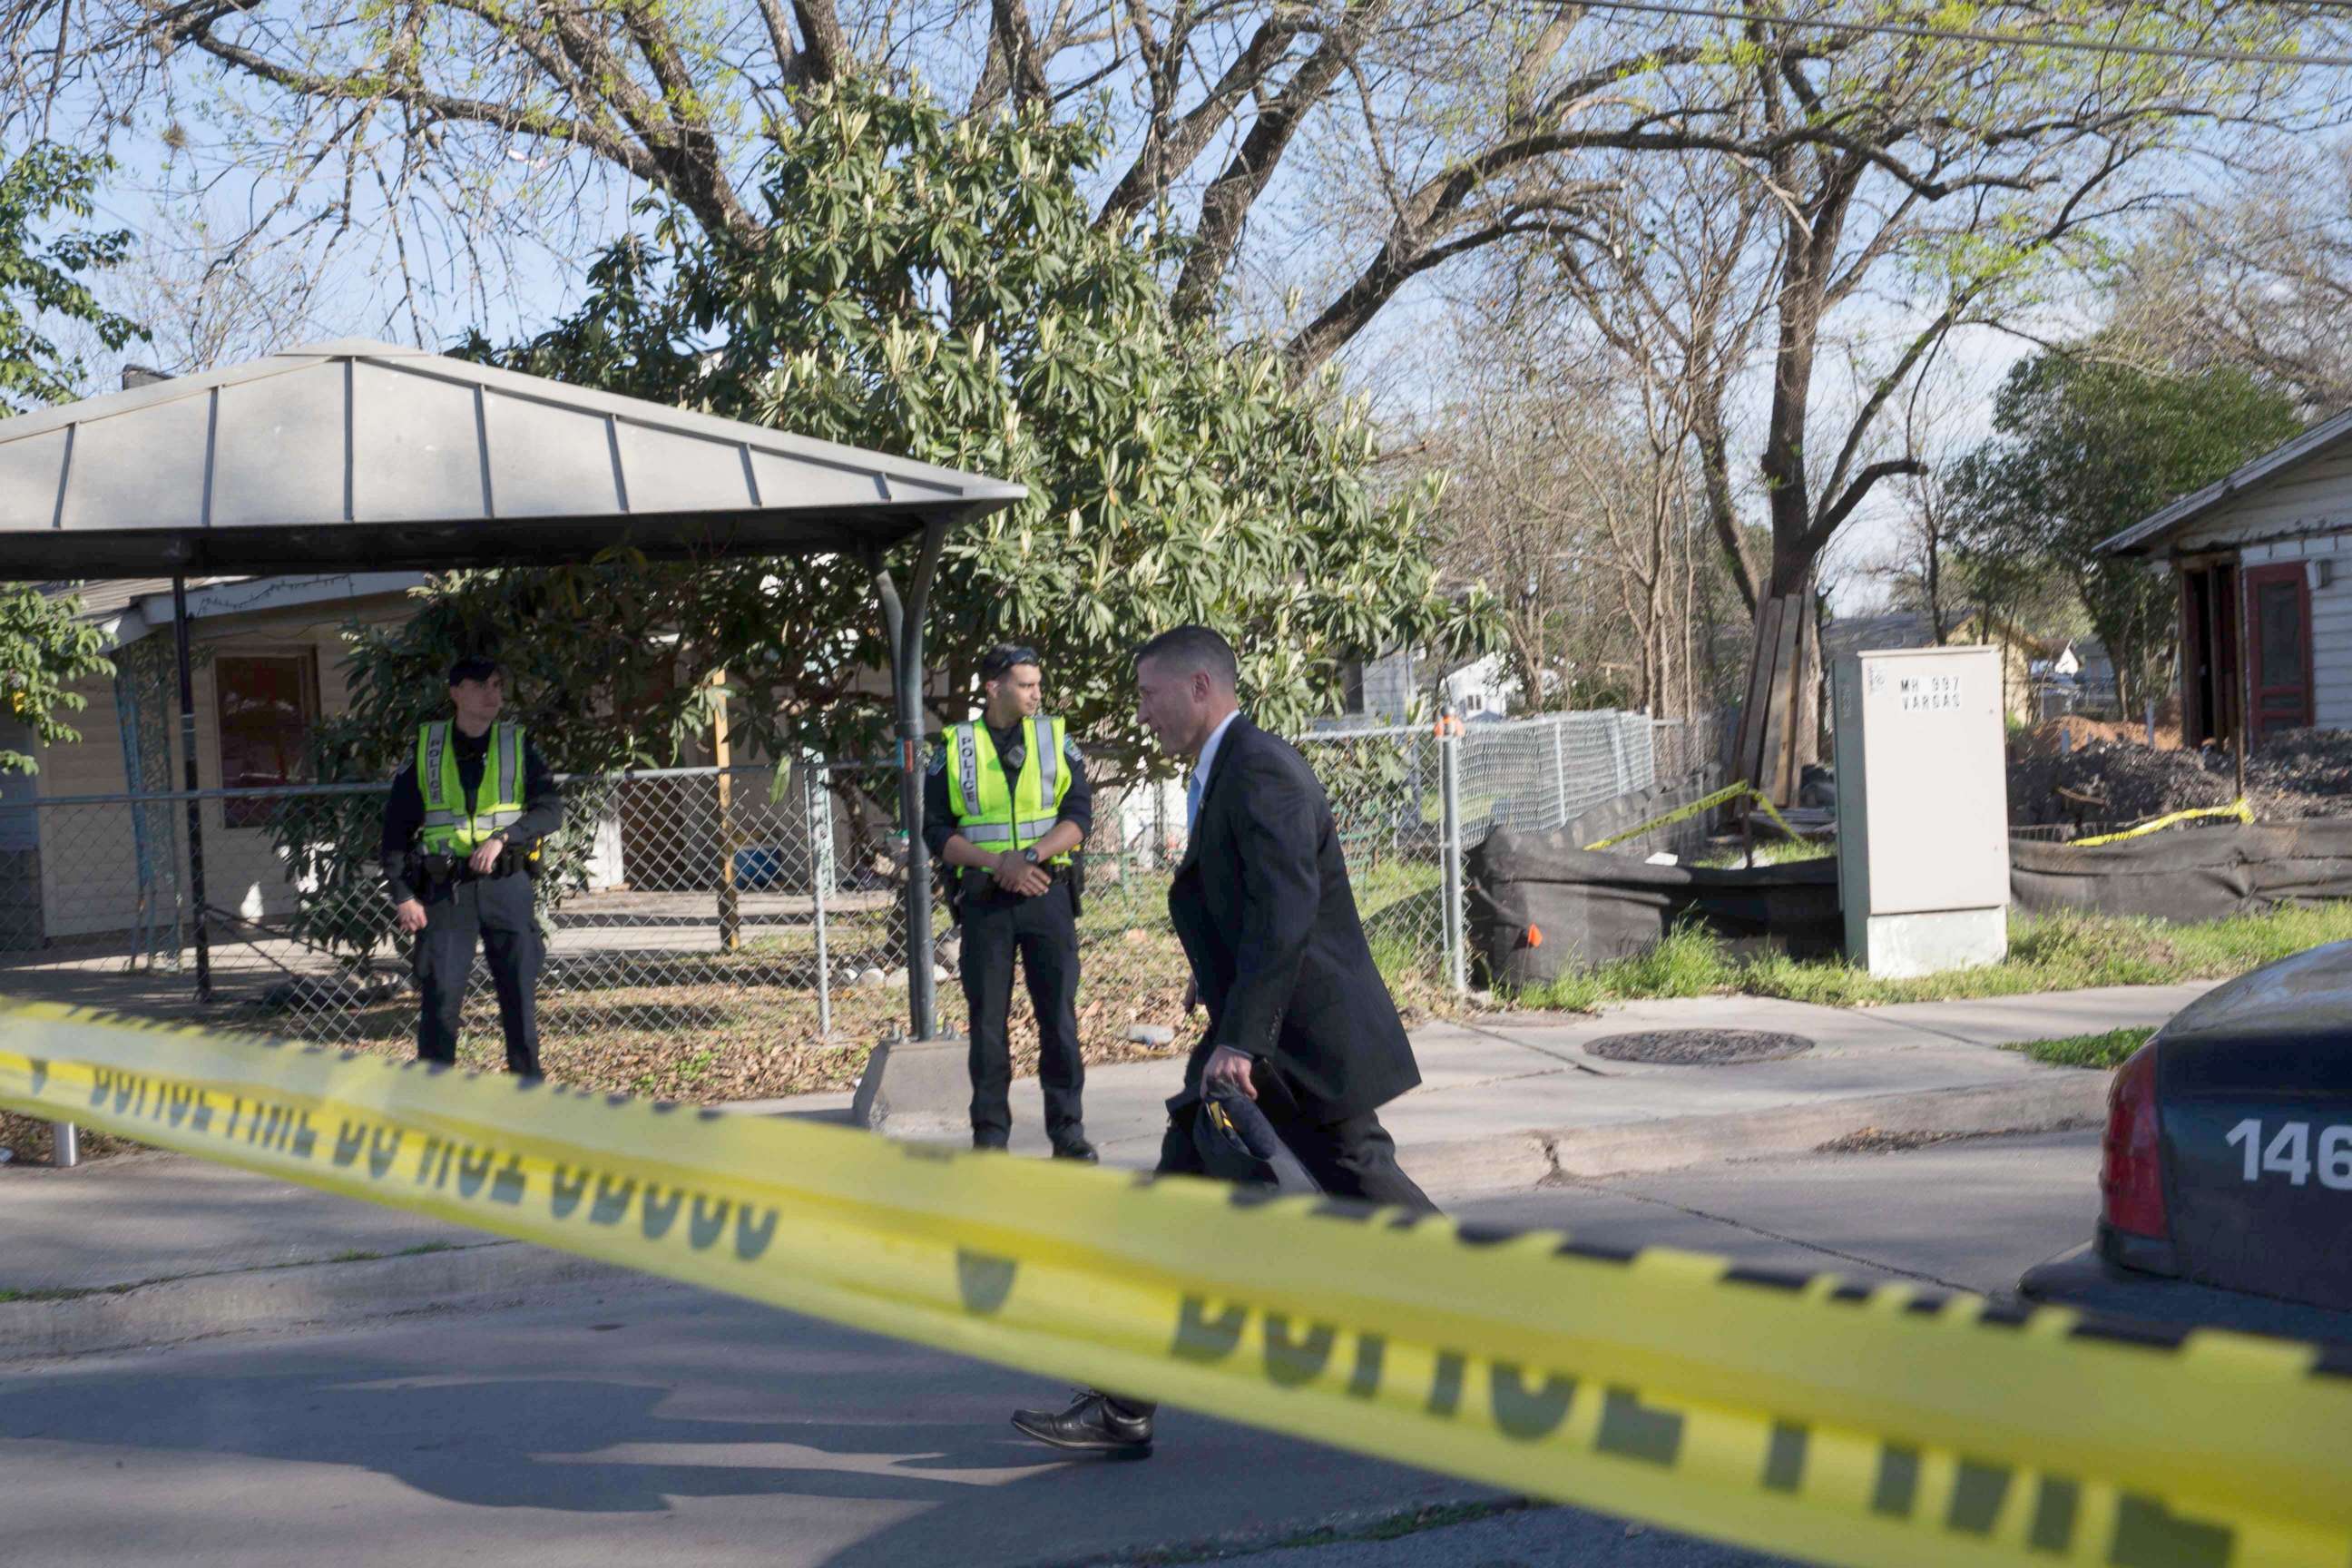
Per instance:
x=1006, y=806
x=459, y=829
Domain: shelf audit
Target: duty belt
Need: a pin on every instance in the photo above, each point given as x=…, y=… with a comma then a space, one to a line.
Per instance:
x=433, y=869
x=982, y=878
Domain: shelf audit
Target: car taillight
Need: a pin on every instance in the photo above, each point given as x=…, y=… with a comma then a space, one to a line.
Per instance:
x=2131, y=1174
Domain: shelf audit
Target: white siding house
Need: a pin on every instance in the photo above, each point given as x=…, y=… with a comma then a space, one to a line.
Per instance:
x=239, y=631
x=2264, y=560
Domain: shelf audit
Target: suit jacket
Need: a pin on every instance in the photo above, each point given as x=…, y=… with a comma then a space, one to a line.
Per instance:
x=1263, y=907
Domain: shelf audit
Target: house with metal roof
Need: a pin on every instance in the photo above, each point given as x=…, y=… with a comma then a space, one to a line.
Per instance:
x=291, y=495
x=2261, y=558
x=268, y=664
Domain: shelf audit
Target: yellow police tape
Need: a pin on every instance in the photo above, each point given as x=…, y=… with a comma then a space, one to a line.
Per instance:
x=1799, y=1415
x=1720, y=797
x=2237, y=808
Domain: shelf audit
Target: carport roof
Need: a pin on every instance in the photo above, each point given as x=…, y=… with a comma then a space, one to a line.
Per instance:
x=359, y=453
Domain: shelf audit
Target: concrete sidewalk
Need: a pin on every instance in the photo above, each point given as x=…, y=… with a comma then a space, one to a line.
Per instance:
x=1506, y=1101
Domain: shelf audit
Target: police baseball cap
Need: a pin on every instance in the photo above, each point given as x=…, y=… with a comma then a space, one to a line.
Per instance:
x=473, y=666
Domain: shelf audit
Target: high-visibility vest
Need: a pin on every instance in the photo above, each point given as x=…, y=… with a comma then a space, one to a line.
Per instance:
x=995, y=814
x=453, y=825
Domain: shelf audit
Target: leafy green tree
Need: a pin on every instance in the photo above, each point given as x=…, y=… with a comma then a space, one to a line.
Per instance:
x=2084, y=445
x=46, y=276
x=43, y=645
x=938, y=289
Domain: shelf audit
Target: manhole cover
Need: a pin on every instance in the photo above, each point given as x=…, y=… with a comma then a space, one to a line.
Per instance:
x=1699, y=1047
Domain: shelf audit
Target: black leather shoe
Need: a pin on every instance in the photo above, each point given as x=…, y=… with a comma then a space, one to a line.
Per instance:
x=1093, y=1426
x=995, y=1140
x=1076, y=1147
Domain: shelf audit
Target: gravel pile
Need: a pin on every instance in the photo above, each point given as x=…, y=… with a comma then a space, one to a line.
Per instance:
x=2304, y=772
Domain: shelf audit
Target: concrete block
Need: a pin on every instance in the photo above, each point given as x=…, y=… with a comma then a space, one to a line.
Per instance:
x=1903, y=947
x=916, y=1088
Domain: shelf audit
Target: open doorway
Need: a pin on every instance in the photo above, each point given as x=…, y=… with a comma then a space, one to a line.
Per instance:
x=2208, y=654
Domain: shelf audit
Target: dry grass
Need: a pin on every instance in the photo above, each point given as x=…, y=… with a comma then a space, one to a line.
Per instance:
x=30, y=1143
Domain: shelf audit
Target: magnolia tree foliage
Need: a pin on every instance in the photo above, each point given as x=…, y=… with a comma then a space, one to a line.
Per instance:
x=936, y=288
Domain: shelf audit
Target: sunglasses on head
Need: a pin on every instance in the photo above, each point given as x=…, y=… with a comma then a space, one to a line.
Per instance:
x=996, y=666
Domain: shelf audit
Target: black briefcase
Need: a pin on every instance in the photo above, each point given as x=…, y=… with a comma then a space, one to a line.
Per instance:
x=1237, y=1144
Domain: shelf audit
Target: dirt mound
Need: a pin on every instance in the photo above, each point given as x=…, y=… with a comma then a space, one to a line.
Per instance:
x=2304, y=772
x=2062, y=736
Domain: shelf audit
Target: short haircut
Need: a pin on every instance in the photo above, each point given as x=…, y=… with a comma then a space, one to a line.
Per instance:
x=999, y=661
x=1187, y=649
x=473, y=666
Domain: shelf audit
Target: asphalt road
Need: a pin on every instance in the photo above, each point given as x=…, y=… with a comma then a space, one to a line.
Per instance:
x=1972, y=1214
x=609, y=1428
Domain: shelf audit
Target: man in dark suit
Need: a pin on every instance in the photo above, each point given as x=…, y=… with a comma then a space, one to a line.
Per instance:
x=1299, y=1020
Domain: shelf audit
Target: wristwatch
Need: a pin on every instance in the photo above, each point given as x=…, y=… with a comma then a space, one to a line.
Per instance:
x=1030, y=855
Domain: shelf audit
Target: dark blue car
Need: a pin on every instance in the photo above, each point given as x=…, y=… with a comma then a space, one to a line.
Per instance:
x=2226, y=1183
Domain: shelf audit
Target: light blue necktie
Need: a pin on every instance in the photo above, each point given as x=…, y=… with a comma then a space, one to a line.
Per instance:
x=1193, y=801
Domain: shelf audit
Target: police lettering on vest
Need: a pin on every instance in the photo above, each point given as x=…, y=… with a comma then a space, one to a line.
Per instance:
x=996, y=814
x=454, y=824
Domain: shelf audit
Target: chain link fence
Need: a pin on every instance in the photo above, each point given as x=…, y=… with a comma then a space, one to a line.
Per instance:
x=721, y=934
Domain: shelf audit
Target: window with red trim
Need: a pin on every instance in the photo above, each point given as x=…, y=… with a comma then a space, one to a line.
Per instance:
x=267, y=703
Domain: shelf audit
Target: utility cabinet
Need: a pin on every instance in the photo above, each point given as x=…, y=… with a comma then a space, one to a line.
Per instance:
x=1922, y=809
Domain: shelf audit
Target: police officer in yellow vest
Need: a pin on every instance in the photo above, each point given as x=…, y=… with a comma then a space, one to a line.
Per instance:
x=1004, y=806
x=456, y=831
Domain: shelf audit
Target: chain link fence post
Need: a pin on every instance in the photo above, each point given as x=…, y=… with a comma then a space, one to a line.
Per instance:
x=1449, y=789
x=817, y=816
x=1560, y=767
x=730, y=903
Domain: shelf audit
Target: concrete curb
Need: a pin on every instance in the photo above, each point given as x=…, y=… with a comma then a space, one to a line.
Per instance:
x=2066, y=1097
x=290, y=1296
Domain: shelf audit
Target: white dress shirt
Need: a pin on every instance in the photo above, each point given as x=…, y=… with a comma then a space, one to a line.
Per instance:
x=1199, y=785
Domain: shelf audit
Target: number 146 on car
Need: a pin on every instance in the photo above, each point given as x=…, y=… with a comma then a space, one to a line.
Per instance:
x=2292, y=1152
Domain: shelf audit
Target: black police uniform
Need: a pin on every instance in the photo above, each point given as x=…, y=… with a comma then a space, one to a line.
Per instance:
x=1044, y=930
x=462, y=909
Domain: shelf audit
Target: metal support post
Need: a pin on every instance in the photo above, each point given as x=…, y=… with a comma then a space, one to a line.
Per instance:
x=730, y=903
x=65, y=1145
x=820, y=837
x=1449, y=793
x=2244, y=695
x=904, y=626
x=195, y=807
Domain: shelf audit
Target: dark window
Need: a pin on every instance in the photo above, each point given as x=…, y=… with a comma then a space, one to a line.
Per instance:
x=1351, y=689
x=2279, y=613
x=268, y=704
